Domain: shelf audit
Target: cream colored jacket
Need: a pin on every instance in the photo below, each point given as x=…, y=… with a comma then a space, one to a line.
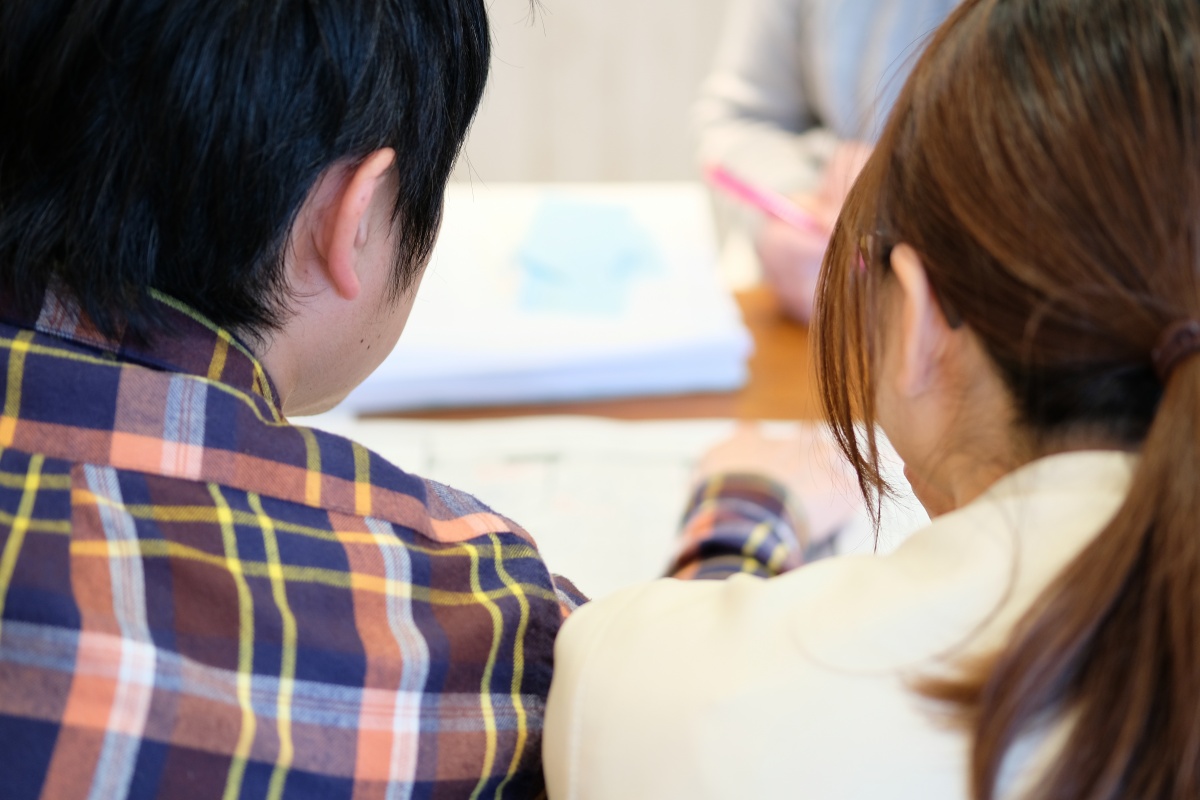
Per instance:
x=799, y=686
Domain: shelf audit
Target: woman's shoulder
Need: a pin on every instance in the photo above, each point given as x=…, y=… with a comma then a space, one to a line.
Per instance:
x=944, y=577
x=663, y=688
x=665, y=682
x=967, y=576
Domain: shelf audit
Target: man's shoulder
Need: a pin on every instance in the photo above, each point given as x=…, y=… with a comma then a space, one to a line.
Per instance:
x=386, y=492
x=95, y=409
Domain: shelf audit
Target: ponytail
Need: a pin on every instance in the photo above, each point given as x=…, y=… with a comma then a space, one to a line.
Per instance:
x=1112, y=648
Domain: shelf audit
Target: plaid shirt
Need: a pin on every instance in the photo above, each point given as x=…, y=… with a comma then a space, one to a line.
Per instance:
x=739, y=524
x=200, y=600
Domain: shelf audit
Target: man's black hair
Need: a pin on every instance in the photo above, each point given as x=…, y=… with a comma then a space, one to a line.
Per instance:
x=169, y=144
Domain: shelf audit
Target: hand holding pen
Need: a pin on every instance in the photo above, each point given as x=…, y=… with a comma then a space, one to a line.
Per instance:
x=792, y=240
x=769, y=202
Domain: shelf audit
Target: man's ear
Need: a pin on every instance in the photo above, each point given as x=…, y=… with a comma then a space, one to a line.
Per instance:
x=347, y=220
x=923, y=329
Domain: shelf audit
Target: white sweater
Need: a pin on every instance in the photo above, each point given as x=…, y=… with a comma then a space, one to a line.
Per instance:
x=792, y=77
x=799, y=686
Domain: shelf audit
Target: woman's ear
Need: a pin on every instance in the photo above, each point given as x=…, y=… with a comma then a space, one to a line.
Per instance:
x=923, y=329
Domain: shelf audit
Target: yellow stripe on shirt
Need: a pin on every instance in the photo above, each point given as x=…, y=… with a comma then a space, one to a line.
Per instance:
x=362, y=480
x=312, y=463
x=241, y=751
x=20, y=525
x=338, y=579
x=518, y=592
x=287, y=660
x=12, y=395
x=489, y=713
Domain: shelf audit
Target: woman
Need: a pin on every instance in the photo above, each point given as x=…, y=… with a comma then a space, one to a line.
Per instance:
x=1012, y=295
x=796, y=95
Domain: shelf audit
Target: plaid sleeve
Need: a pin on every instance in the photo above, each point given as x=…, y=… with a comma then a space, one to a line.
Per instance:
x=739, y=523
x=569, y=596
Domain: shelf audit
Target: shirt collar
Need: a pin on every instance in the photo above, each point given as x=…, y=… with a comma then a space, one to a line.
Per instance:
x=194, y=345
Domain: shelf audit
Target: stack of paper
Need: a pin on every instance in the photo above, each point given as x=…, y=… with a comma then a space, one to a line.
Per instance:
x=539, y=294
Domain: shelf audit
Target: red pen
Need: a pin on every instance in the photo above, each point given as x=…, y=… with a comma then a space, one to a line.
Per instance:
x=765, y=200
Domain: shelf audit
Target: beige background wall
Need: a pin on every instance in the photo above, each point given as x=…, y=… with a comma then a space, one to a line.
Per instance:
x=592, y=90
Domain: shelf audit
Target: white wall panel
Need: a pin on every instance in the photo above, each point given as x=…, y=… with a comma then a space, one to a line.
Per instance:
x=592, y=90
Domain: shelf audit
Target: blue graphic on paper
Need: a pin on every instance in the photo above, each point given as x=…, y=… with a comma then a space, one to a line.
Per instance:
x=583, y=258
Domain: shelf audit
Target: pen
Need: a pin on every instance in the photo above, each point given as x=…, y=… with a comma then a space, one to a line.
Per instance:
x=765, y=200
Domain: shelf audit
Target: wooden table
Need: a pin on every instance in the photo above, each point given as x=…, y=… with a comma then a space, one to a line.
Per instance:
x=781, y=384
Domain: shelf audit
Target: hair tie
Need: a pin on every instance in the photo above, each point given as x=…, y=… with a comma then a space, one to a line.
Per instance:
x=1180, y=340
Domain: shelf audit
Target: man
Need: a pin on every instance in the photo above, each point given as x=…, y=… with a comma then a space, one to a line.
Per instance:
x=214, y=214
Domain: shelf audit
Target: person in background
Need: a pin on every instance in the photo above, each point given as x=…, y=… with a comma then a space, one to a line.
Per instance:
x=1012, y=293
x=792, y=104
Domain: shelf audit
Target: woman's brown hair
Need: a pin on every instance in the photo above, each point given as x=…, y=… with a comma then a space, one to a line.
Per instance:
x=1044, y=160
